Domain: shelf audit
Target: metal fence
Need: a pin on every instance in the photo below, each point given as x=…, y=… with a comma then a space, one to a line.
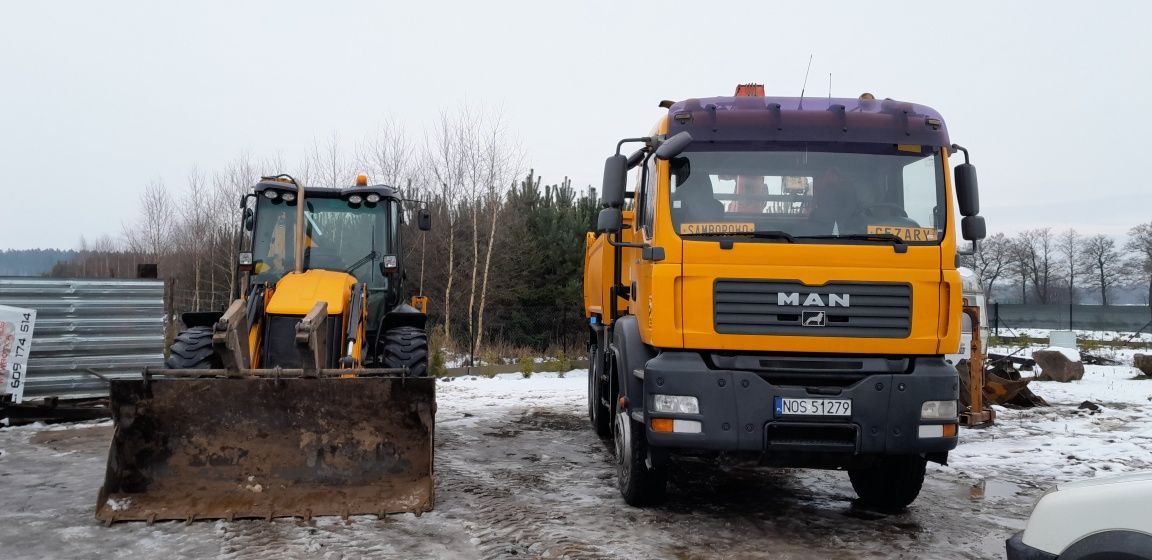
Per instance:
x=113, y=327
x=1123, y=318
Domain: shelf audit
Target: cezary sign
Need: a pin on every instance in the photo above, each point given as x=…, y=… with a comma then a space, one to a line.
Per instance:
x=16, y=326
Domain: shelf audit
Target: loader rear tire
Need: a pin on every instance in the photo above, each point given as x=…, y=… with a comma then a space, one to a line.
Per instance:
x=407, y=347
x=192, y=349
x=891, y=483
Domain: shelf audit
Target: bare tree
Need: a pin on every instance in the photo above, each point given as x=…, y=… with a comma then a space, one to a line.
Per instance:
x=327, y=165
x=500, y=159
x=387, y=155
x=1101, y=262
x=446, y=164
x=992, y=260
x=1036, y=250
x=151, y=235
x=195, y=229
x=1140, y=263
x=1068, y=244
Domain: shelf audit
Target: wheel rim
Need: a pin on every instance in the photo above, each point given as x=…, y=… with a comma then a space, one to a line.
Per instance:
x=623, y=446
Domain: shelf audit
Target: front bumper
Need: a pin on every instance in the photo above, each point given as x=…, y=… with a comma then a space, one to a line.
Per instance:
x=737, y=409
x=1017, y=550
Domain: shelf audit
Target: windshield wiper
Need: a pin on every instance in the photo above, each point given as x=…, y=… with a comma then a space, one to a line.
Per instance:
x=360, y=263
x=767, y=234
x=897, y=243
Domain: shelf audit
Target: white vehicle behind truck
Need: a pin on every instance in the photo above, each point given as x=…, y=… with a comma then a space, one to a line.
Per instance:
x=1102, y=518
x=973, y=294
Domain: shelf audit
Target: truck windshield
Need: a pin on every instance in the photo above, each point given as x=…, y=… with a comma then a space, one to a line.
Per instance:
x=338, y=236
x=820, y=192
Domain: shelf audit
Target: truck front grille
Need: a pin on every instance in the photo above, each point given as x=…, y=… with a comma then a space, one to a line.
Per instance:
x=788, y=308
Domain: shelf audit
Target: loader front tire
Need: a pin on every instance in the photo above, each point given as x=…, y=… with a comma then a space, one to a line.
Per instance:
x=891, y=483
x=407, y=347
x=192, y=349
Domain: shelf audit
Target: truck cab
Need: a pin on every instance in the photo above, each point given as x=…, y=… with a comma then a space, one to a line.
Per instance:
x=781, y=285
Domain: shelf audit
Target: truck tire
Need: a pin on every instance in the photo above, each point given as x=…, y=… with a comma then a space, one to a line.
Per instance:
x=891, y=483
x=192, y=349
x=598, y=414
x=407, y=347
x=640, y=484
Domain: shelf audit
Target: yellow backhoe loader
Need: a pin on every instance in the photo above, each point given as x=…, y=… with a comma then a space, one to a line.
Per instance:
x=308, y=396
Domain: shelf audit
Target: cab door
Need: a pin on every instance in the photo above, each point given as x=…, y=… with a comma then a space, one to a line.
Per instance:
x=641, y=270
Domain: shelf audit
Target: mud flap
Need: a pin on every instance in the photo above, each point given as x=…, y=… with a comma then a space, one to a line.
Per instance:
x=218, y=448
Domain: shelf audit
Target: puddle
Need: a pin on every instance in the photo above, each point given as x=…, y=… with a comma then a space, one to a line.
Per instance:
x=992, y=488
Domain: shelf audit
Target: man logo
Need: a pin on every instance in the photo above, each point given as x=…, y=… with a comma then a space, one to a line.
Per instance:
x=812, y=300
x=813, y=319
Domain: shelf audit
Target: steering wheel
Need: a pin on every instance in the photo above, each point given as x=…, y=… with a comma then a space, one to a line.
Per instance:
x=885, y=211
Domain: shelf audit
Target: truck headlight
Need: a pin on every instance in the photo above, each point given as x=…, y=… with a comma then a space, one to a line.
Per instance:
x=938, y=410
x=676, y=404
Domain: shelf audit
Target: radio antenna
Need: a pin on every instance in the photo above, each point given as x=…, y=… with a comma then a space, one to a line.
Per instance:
x=805, y=85
x=829, y=88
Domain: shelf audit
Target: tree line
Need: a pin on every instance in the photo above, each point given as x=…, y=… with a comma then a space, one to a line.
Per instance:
x=501, y=266
x=1043, y=265
x=31, y=262
x=503, y=262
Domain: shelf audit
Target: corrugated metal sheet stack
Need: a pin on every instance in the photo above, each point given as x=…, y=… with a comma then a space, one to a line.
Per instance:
x=111, y=326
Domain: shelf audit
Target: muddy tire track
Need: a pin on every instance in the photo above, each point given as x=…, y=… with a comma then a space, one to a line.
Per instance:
x=512, y=512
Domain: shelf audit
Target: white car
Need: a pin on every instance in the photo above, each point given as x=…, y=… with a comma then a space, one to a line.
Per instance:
x=1106, y=518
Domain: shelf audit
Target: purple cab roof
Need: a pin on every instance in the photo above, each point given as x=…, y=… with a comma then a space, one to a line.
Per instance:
x=811, y=119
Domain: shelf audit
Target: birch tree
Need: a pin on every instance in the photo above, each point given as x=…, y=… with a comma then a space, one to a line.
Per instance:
x=446, y=163
x=501, y=159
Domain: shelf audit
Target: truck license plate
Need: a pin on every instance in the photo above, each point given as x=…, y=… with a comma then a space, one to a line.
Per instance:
x=813, y=407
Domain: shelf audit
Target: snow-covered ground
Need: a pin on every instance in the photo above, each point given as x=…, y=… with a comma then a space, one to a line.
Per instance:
x=1064, y=442
x=520, y=474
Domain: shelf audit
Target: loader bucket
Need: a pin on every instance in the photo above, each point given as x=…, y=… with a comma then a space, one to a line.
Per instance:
x=225, y=448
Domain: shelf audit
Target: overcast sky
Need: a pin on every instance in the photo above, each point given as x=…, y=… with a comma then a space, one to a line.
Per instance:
x=97, y=99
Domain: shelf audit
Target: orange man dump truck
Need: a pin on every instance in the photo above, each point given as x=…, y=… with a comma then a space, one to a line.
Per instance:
x=780, y=285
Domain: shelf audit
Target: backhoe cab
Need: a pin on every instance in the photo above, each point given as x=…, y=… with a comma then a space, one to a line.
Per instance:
x=307, y=396
x=347, y=254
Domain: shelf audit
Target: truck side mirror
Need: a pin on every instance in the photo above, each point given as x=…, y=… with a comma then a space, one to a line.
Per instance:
x=610, y=220
x=967, y=194
x=424, y=219
x=248, y=221
x=672, y=147
x=972, y=228
x=615, y=177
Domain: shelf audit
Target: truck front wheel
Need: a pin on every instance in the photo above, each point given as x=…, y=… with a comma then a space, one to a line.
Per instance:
x=640, y=484
x=891, y=483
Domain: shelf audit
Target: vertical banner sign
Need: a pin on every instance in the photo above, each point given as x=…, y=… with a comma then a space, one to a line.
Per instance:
x=16, y=326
